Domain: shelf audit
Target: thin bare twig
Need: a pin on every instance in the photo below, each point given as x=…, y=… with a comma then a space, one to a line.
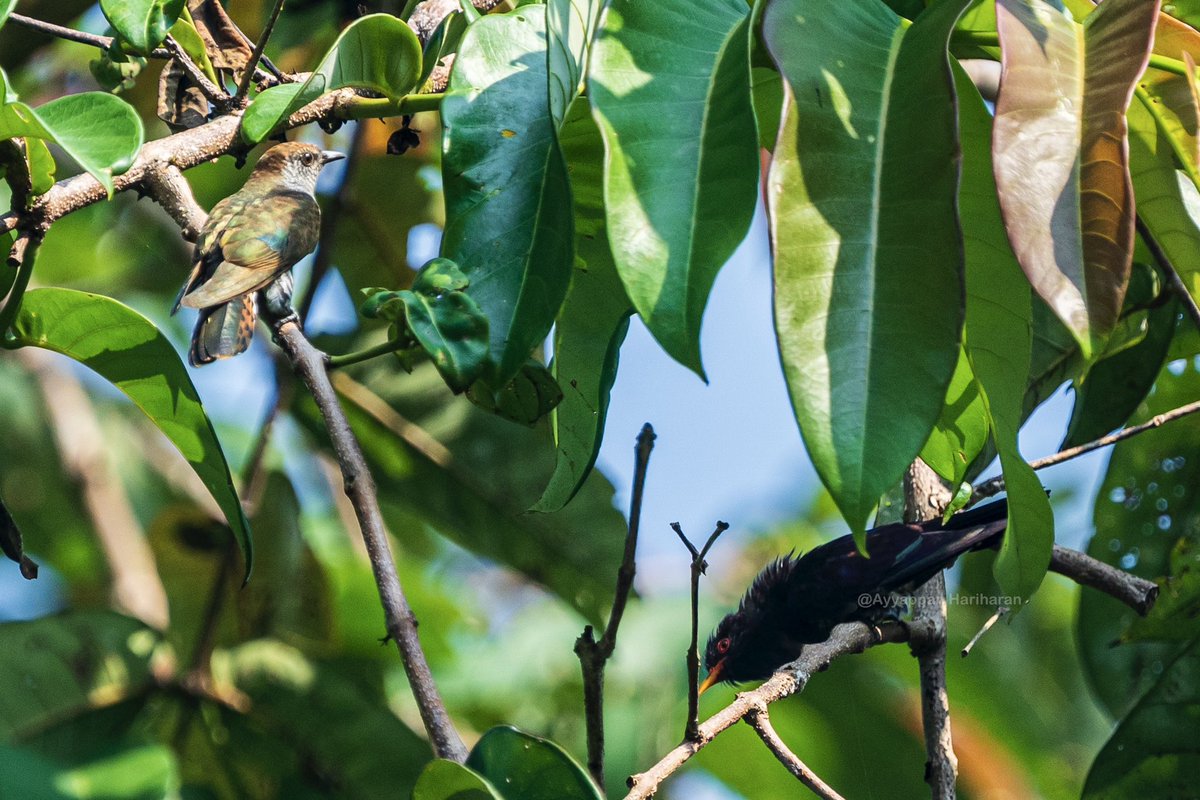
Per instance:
x=926, y=498
x=593, y=654
x=72, y=35
x=691, y=728
x=213, y=93
x=760, y=721
x=996, y=485
x=248, y=75
x=1173, y=278
x=987, y=626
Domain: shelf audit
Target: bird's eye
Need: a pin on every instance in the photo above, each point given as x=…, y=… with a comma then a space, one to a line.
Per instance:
x=307, y=159
x=723, y=646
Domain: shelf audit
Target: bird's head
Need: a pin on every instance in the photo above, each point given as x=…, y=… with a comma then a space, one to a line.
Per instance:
x=293, y=165
x=751, y=643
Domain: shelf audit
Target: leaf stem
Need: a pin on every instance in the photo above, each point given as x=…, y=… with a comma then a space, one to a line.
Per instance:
x=372, y=107
x=358, y=356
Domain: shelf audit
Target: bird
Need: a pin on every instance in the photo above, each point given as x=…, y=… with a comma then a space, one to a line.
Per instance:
x=251, y=238
x=797, y=600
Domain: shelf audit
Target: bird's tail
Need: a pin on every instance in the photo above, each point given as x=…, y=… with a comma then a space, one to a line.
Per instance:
x=223, y=330
x=980, y=515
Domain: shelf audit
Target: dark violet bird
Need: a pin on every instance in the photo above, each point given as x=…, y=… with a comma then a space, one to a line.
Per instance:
x=798, y=600
x=251, y=238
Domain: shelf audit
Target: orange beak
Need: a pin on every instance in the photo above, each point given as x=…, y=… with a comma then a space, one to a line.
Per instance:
x=714, y=675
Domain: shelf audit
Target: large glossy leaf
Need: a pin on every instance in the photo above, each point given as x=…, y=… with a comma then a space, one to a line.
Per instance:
x=962, y=430
x=101, y=132
x=1167, y=200
x=868, y=315
x=999, y=343
x=1146, y=511
x=669, y=85
x=377, y=52
x=508, y=209
x=1155, y=751
x=1061, y=158
x=1168, y=97
x=530, y=767
x=68, y=664
x=593, y=320
x=142, y=24
x=570, y=27
x=447, y=780
x=127, y=350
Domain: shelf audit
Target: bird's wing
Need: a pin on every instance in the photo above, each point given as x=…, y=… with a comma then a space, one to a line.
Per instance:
x=256, y=241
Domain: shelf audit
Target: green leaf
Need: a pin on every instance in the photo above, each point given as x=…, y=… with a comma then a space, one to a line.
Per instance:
x=336, y=719
x=447, y=780
x=6, y=8
x=999, y=339
x=101, y=132
x=68, y=664
x=962, y=430
x=529, y=767
x=530, y=395
x=142, y=24
x=184, y=32
x=442, y=318
x=869, y=121
x=1168, y=98
x=1116, y=386
x=508, y=208
x=126, y=349
x=377, y=52
x=1154, y=751
x=592, y=323
x=669, y=85
x=570, y=28
x=1060, y=152
x=146, y=772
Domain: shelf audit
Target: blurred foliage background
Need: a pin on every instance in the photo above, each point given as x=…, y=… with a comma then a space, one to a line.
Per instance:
x=102, y=656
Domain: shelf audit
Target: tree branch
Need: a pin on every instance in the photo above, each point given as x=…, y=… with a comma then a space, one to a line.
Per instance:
x=309, y=364
x=847, y=638
x=360, y=488
x=200, y=145
x=926, y=498
x=758, y=719
x=996, y=485
x=593, y=655
x=1137, y=593
x=72, y=35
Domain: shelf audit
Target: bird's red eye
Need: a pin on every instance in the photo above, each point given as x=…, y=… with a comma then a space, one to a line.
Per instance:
x=723, y=646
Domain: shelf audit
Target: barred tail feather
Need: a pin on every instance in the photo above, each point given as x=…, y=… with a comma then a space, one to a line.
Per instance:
x=223, y=331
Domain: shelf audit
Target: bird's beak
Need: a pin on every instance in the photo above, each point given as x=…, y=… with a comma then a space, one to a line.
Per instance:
x=331, y=155
x=714, y=675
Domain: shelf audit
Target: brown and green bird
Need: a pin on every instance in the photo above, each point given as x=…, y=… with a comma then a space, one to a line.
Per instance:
x=251, y=238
